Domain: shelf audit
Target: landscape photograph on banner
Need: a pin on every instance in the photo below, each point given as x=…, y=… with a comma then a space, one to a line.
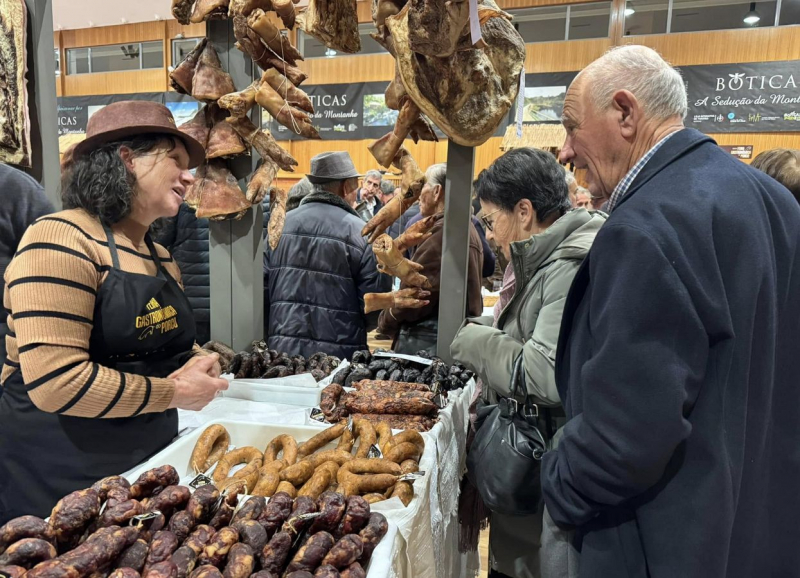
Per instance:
x=376, y=113
x=182, y=112
x=544, y=103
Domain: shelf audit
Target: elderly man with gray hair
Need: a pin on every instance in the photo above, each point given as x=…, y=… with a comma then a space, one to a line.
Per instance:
x=369, y=192
x=677, y=361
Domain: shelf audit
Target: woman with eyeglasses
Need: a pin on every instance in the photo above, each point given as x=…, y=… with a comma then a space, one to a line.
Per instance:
x=417, y=329
x=526, y=211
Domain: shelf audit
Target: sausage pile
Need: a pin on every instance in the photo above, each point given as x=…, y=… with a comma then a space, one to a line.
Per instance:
x=438, y=375
x=263, y=363
x=306, y=470
x=191, y=535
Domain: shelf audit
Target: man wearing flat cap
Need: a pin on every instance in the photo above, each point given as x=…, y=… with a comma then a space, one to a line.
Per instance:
x=316, y=278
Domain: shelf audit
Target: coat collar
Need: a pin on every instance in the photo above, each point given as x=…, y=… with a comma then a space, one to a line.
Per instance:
x=681, y=143
x=322, y=196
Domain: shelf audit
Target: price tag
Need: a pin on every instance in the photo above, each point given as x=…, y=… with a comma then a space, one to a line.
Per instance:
x=142, y=520
x=414, y=358
x=103, y=509
x=411, y=477
x=350, y=424
x=439, y=400
x=199, y=481
x=375, y=452
x=317, y=415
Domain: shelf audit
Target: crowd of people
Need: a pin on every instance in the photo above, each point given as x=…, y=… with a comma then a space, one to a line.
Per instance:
x=654, y=314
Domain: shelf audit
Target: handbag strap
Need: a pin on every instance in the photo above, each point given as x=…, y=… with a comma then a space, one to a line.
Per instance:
x=517, y=383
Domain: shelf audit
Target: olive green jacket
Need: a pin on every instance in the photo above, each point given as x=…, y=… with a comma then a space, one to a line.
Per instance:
x=544, y=267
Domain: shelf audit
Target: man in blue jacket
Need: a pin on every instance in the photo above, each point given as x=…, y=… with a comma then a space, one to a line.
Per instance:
x=316, y=278
x=677, y=361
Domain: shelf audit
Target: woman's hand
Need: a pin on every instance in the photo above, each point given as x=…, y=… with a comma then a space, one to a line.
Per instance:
x=195, y=385
x=215, y=371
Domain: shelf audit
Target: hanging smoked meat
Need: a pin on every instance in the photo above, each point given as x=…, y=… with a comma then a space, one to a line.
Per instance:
x=181, y=78
x=15, y=138
x=334, y=23
x=435, y=27
x=261, y=181
x=260, y=22
x=209, y=10
x=287, y=90
x=469, y=93
x=266, y=146
x=240, y=103
x=198, y=128
x=215, y=193
x=249, y=42
x=292, y=118
x=210, y=81
x=223, y=140
x=182, y=11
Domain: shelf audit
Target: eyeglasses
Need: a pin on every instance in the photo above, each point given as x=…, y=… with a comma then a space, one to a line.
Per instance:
x=486, y=222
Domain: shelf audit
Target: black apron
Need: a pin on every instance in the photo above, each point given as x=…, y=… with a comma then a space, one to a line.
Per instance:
x=44, y=456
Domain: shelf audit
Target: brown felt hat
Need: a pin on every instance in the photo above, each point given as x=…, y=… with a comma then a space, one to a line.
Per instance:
x=131, y=118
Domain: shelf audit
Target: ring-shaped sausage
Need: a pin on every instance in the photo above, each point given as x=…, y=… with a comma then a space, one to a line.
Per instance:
x=210, y=447
x=245, y=455
x=283, y=443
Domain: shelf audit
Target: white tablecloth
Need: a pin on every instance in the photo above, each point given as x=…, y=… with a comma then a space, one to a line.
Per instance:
x=426, y=545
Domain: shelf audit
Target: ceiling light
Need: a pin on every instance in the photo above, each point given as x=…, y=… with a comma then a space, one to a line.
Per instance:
x=629, y=11
x=752, y=17
x=330, y=53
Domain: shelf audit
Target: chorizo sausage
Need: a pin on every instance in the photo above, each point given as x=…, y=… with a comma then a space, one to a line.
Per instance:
x=402, y=452
x=298, y=474
x=365, y=432
x=104, y=486
x=25, y=527
x=326, y=572
x=240, y=562
x=169, y=499
x=297, y=523
x=120, y=513
x=409, y=436
x=322, y=439
x=202, y=502
x=285, y=445
x=345, y=552
x=384, y=431
x=207, y=571
x=185, y=560
x=13, y=571
x=165, y=569
x=311, y=554
x=198, y=539
x=134, y=556
x=276, y=553
x=339, y=456
x=356, y=516
x=355, y=570
x=277, y=511
x=217, y=549
x=73, y=513
x=28, y=552
x=287, y=488
x=251, y=509
x=251, y=533
x=145, y=484
x=124, y=573
x=245, y=455
x=161, y=548
x=331, y=506
x=404, y=491
x=181, y=524
x=212, y=444
x=318, y=483
x=372, y=534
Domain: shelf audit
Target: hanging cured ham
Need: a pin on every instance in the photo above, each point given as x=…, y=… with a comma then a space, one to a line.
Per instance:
x=334, y=23
x=215, y=193
x=15, y=139
x=210, y=81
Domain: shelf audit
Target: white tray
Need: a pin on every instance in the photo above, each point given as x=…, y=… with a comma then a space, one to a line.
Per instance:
x=177, y=454
x=266, y=390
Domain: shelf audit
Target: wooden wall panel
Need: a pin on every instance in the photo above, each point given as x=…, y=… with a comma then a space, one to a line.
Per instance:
x=344, y=69
x=190, y=31
x=724, y=46
x=564, y=56
x=115, y=82
x=140, y=32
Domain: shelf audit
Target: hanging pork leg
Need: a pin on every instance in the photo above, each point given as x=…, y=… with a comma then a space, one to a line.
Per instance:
x=415, y=234
x=259, y=21
x=334, y=23
x=215, y=193
x=408, y=298
x=245, y=7
x=259, y=184
x=262, y=141
x=277, y=216
x=435, y=26
x=288, y=91
x=181, y=78
x=223, y=140
x=209, y=10
x=198, y=128
x=251, y=44
x=295, y=120
x=386, y=148
x=285, y=9
x=239, y=103
x=210, y=82
x=392, y=262
x=181, y=10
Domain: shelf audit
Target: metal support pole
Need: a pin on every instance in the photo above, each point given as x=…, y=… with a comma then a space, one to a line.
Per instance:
x=42, y=98
x=236, y=248
x=455, y=247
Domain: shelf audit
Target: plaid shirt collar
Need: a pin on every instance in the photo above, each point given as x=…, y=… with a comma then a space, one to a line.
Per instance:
x=622, y=188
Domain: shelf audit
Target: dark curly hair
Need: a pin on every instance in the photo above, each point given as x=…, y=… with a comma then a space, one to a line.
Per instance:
x=525, y=173
x=100, y=183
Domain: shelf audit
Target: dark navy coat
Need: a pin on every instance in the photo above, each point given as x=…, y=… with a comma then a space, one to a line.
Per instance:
x=678, y=367
x=315, y=280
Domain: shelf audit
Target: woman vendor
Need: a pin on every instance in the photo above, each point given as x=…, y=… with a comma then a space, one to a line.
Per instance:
x=101, y=335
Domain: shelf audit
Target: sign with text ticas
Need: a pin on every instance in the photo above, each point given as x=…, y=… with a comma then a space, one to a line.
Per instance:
x=748, y=97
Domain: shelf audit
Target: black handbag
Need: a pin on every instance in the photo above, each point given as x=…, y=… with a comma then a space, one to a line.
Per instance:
x=504, y=461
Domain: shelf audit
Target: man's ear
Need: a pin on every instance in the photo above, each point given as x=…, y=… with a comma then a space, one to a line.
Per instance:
x=629, y=112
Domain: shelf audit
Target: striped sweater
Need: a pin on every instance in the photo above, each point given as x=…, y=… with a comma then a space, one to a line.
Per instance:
x=51, y=286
